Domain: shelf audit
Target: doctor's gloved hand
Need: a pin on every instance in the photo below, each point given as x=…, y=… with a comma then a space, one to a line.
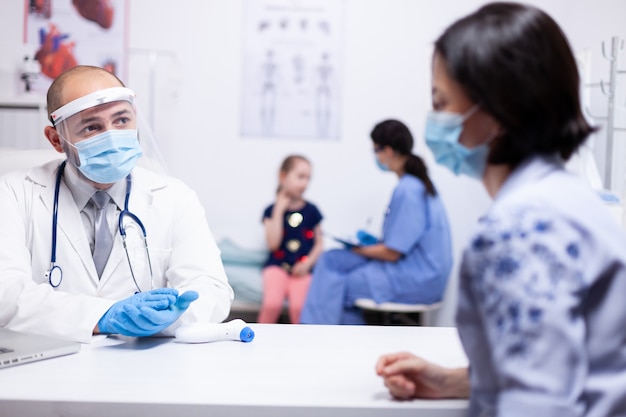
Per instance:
x=366, y=238
x=147, y=313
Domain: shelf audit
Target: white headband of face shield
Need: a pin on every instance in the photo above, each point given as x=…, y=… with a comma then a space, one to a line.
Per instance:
x=91, y=100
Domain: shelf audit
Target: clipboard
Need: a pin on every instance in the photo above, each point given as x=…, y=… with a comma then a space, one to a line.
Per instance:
x=347, y=242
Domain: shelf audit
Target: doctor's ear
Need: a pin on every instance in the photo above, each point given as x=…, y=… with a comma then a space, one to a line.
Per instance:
x=53, y=137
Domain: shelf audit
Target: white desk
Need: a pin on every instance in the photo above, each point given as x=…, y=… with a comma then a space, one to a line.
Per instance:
x=287, y=370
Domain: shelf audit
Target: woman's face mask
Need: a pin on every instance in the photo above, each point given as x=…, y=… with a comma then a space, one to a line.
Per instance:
x=380, y=165
x=443, y=130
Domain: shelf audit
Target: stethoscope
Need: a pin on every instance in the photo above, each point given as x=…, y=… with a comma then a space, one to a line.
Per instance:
x=55, y=273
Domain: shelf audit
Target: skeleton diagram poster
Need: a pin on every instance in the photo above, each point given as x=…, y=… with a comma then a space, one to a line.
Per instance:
x=66, y=33
x=292, y=69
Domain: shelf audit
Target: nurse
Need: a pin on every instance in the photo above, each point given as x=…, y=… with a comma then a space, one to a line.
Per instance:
x=541, y=308
x=73, y=233
x=412, y=260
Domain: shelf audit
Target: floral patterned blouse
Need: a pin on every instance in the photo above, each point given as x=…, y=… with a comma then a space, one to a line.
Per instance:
x=542, y=304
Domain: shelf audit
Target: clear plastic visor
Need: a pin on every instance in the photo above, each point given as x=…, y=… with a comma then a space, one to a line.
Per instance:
x=96, y=98
x=96, y=113
x=98, y=119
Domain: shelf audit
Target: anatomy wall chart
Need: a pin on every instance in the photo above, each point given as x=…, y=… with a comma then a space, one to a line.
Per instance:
x=64, y=33
x=292, y=69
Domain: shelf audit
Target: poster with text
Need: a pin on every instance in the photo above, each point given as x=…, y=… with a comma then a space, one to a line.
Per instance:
x=293, y=51
x=64, y=33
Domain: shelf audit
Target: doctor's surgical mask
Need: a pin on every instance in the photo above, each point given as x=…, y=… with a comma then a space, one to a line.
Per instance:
x=443, y=130
x=101, y=129
x=109, y=156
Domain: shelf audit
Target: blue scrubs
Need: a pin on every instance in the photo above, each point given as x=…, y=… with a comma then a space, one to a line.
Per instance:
x=416, y=225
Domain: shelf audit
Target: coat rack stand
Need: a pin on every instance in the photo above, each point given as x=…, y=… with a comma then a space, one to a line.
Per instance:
x=609, y=89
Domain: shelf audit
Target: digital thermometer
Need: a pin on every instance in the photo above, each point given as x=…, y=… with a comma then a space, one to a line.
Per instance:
x=236, y=329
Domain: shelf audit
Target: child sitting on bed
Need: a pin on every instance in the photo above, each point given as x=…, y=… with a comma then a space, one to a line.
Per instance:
x=294, y=237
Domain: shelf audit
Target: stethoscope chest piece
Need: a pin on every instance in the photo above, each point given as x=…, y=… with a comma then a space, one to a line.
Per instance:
x=54, y=275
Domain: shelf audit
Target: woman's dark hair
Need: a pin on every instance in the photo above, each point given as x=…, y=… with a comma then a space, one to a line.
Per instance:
x=516, y=63
x=397, y=136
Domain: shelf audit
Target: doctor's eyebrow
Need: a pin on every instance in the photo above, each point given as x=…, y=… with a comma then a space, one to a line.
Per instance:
x=88, y=120
x=120, y=113
x=125, y=113
x=96, y=119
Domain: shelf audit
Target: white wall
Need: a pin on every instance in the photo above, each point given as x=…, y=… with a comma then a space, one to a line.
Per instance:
x=386, y=74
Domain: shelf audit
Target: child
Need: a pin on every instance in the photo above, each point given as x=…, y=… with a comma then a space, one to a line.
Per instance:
x=294, y=237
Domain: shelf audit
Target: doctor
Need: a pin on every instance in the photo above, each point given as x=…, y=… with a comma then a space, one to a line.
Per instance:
x=96, y=244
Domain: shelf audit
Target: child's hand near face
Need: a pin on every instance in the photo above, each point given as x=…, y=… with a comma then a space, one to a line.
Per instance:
x=282, y=201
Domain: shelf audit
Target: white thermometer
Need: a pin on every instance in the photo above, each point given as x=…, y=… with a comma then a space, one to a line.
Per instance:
x=236, y=329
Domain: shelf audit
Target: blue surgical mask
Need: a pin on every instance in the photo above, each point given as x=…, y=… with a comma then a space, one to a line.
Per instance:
x=108, y=157
x=380, y=165
x=442, y=137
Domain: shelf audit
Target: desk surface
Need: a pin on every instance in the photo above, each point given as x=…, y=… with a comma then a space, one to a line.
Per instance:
x=287, y=370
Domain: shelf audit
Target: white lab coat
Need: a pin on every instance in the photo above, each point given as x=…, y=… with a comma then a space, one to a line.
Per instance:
x=183, y=253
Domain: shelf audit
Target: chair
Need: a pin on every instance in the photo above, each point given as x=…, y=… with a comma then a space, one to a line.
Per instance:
x=395, y=313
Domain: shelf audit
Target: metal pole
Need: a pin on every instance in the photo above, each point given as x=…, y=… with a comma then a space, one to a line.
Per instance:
x=610, y=120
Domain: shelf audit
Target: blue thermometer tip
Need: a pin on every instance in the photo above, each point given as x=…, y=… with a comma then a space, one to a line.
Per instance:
x=246, y=334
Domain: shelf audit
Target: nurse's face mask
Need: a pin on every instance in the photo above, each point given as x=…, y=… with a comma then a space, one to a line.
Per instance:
x=380, y=165
x=100, y=134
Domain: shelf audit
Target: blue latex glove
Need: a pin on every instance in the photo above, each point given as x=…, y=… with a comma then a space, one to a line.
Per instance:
x=366, y=238
x=146, y=313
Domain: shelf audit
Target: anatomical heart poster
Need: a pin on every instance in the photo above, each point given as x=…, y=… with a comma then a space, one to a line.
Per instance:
x=292, y=67
x=64, y=33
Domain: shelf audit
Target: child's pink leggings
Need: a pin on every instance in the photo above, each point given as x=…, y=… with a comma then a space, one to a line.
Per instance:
x=278, y=284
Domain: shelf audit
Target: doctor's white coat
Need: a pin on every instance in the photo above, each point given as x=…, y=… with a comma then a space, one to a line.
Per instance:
x=183, y=254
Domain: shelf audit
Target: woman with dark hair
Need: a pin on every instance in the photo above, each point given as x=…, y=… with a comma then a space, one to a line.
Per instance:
x=412, y=260
x=541, y=307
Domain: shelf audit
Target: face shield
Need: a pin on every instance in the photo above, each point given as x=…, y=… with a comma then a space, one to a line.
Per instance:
x=103, y=136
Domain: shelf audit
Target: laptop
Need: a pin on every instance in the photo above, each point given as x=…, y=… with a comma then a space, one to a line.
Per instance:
x=17, y=348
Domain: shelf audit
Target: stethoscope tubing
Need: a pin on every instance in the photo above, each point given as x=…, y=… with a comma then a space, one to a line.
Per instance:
x=55, y=216
x=55, y=269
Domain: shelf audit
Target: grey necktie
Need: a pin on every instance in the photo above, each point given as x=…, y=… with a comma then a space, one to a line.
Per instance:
x=103, y=239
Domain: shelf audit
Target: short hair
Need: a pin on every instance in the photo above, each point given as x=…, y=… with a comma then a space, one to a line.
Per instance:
x=516, y=63
x=53, y=97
